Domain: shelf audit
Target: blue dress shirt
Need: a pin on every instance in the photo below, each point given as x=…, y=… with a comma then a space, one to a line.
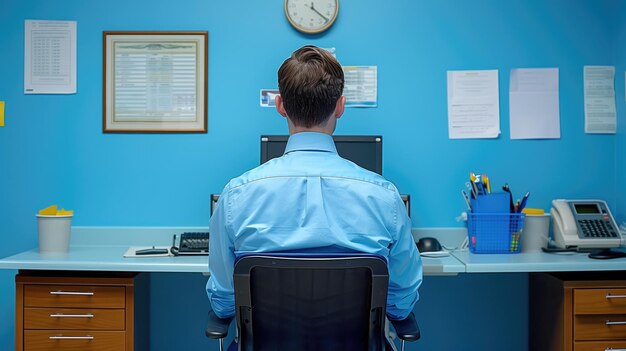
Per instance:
x=312, y=199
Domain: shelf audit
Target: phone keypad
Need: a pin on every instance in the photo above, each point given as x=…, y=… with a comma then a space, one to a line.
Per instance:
x=595, y=228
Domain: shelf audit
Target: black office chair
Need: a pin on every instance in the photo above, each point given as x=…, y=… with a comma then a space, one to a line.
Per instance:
x=304, y=302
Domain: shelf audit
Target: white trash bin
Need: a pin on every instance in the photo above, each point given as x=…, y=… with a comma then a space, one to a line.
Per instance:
x=54, y=233
x=536, y=232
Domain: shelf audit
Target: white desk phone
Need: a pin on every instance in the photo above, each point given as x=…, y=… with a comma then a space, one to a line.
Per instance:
x=584, y=224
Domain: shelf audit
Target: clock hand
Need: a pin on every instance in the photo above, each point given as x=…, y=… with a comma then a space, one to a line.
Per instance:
x=315, y=10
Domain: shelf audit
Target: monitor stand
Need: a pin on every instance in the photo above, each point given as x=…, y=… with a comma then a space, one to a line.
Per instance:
x=605, y=254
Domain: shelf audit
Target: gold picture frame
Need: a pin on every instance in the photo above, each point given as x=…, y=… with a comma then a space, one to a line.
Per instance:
x=155, y=82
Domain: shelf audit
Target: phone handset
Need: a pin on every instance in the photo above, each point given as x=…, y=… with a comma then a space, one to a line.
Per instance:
x=564, y=223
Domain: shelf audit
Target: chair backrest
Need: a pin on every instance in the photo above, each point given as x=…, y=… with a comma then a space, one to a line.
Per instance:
x=304, y=302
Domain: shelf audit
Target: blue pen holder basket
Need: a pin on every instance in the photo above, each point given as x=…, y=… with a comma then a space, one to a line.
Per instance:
x=490, y=233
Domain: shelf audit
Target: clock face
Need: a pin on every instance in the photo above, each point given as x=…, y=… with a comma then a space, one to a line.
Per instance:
x=311, y=16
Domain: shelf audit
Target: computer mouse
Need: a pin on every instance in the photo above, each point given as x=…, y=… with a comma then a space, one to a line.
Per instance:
x=428, y=244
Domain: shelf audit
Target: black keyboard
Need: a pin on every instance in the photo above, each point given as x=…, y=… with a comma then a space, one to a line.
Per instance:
x=193, y=243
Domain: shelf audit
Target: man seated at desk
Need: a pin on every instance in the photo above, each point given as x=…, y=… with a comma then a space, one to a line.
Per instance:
x=311, y=199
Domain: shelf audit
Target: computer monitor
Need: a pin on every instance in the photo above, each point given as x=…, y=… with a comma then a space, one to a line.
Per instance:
x=364, y=150
x=214, y=199
x=406, y=198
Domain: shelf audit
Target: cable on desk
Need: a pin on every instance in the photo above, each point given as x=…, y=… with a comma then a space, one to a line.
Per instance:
x=463, y=247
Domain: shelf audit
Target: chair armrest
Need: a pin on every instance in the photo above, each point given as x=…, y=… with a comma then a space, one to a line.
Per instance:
x=407, y=329
x=217, y=328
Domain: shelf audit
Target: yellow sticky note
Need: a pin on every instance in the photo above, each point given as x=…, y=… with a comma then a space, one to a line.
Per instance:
x=1, y=113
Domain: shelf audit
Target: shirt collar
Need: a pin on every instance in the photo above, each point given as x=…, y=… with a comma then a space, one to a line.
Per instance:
x=310, y=141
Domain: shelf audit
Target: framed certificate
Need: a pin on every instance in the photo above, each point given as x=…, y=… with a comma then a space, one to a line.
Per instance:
x=155, y=82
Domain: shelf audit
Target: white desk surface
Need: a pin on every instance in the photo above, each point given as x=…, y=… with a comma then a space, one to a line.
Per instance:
x=536, y=262
x=103, y=258
x=109, y=258
x=102, y=249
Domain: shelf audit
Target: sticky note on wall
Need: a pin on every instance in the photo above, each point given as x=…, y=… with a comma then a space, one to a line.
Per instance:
x=1, y=113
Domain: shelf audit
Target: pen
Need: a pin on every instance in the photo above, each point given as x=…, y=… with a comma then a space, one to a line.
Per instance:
x=151, y=251
x=523, y=203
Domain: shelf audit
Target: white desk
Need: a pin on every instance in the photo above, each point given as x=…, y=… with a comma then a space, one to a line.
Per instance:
x=102, y=249
x=536, y=262
x=104, y=258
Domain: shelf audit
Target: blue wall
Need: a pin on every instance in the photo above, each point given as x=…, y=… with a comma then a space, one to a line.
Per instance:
x=52, y=149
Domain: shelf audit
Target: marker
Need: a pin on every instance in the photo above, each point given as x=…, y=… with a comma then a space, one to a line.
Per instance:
x=486, y=182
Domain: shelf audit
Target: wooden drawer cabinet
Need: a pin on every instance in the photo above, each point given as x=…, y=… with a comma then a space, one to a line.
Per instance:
x=600, y=301
x=74, y=295
x=600, y=346
x=88, y=311
x=64, y=318
x=577, y=311
x=600, y=327
x=37, y=340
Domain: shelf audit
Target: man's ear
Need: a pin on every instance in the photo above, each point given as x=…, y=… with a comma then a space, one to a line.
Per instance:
x=340, y=107
x=280, y=107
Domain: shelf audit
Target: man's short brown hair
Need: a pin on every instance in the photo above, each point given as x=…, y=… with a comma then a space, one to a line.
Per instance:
x=310, y=83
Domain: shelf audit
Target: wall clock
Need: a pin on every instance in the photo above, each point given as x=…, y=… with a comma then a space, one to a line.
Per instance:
x=311, y=16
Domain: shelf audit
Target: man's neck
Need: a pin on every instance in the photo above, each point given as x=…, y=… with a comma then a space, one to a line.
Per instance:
x=326, y=128
x=314, y=129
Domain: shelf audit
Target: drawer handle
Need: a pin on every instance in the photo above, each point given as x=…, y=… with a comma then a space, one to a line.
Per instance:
x=58, y=337
x=86, y=293
x=608, y=322
x=61, y=315
x=611, y=349
x=609, y=296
